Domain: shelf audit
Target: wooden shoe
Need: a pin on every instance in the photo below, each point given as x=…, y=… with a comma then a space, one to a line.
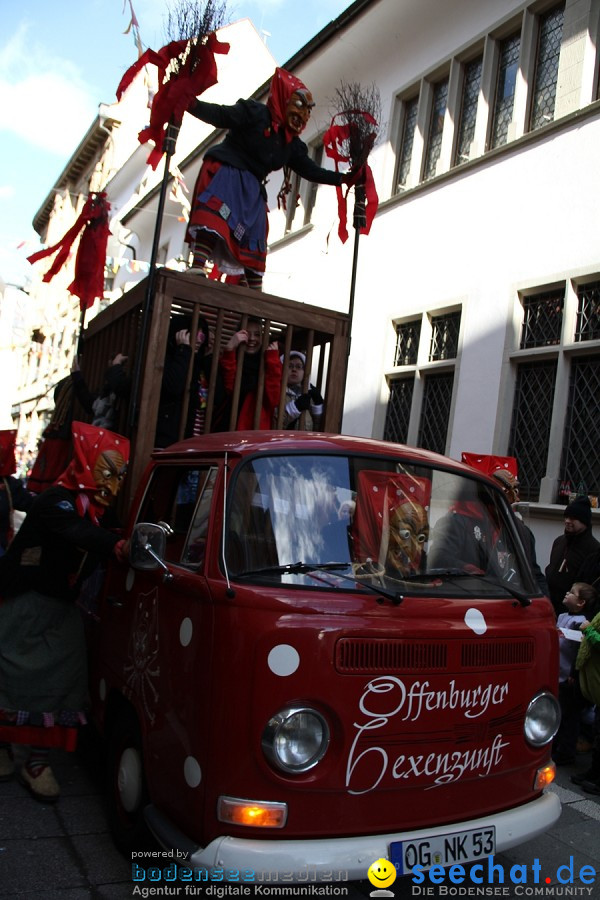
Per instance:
x=7, y=766
x=43, y=787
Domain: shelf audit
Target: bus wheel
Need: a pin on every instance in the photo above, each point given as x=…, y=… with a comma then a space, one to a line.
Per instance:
x=126, y=784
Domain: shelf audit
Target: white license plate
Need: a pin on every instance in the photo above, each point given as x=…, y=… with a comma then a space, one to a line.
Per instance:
x=443, y=850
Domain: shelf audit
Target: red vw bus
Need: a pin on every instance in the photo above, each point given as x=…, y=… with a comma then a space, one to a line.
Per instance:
x=325, y=650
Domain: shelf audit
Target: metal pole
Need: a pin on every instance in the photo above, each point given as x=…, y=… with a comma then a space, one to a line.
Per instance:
x=360, y=220
x=80, y=342
x=168, y=149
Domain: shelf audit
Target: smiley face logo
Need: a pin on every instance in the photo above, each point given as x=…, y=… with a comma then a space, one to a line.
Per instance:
x=381, y=873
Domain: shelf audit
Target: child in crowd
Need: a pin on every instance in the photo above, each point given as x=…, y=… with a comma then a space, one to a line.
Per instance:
x=297, y=401
x=580, y=602
x=251, y=339
x=588, y=668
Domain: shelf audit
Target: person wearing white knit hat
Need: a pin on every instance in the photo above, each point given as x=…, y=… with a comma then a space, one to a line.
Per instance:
x=297, y=402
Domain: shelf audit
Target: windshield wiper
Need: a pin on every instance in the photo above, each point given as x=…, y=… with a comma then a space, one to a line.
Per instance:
x=523, y=599
x=309, y=569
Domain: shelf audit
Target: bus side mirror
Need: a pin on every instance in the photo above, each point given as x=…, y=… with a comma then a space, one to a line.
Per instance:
x=148, y=545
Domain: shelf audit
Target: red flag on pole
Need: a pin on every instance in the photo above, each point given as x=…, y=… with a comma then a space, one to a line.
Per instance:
x=88, y=282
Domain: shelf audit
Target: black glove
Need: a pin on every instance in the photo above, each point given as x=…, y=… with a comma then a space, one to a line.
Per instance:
x=315, y=396
x=302, y=402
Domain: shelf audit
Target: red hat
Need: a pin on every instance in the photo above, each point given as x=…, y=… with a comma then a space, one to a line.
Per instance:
x=8, y=441
x=283, y=85
x=89, y=443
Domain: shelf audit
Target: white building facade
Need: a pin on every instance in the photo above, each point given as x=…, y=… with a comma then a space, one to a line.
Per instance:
x=476, y=316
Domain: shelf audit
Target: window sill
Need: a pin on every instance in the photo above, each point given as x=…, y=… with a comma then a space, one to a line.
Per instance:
x=548, y=511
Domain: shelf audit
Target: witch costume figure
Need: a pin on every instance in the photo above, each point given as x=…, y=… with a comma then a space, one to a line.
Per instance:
x=229, y=221
x=43, y=667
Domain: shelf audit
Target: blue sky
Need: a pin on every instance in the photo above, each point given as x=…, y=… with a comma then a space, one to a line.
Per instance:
x=59, y=60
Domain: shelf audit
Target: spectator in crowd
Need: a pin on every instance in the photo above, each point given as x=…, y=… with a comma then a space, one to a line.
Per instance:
x=588, y=667
x=570, y=550
x=43, y=668
x=590, y=569
x=103, y=407
x=510, y=486
x=297, y=401
x=177, y=363
x=466, y=536
x=13, y=494
x=250, y=340
x=580, y=603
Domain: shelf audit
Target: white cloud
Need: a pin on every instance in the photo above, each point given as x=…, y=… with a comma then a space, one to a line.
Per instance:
x=43, y=98
x=7, y=190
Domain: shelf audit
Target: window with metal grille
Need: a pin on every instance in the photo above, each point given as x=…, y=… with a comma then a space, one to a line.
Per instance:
x=444, y=336
x=546, y=67
x=508, y=67
x=436, y=127
x=407, y=343
x=407, y=139
x=588, y=312
x=542, y=319
x=530, y=427
x=435, y=412
x=581, y=461
x=468, y=111
x=398, y=410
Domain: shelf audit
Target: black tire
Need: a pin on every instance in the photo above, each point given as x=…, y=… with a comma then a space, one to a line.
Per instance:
x=127, y=794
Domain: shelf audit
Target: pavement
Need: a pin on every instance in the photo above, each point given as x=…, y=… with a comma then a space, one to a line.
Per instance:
x=64, y=851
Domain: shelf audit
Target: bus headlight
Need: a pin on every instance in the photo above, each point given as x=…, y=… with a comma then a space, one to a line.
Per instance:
x=295, y=739
x=542, y=719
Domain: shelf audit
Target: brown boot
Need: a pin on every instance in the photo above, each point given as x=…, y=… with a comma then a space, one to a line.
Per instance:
x=43, y=787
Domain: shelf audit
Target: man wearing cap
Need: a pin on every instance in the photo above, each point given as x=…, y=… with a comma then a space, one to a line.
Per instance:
x=570, y=550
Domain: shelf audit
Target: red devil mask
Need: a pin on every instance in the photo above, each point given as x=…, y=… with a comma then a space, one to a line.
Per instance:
x=289, y=103
x=97, y=469
x=391, y=519
x=8, y=463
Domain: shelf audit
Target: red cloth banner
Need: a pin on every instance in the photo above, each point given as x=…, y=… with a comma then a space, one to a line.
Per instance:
x=88, y=282
x=175, y=93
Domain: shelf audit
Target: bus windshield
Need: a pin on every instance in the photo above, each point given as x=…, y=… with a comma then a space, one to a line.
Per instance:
x=347, y=521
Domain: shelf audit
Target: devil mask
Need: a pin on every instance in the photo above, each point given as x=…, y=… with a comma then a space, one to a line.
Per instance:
x=97, y=469
x=290, y=103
